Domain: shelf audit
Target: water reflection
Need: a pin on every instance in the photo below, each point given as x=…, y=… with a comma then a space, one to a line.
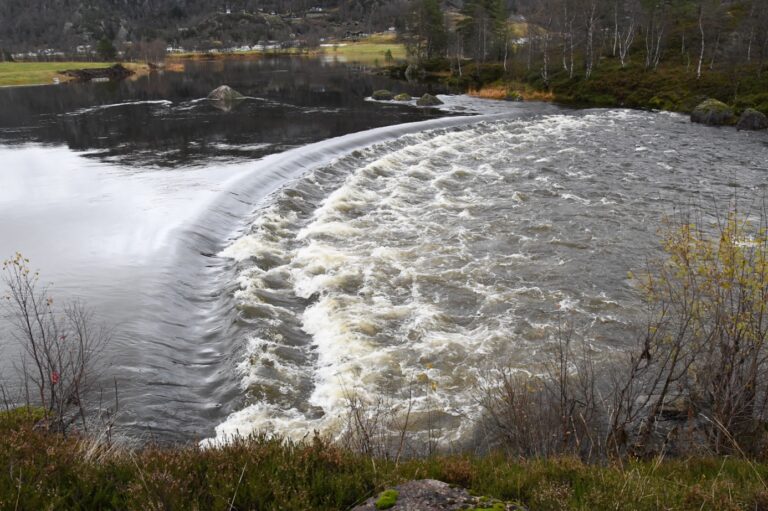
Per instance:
x=164, y=123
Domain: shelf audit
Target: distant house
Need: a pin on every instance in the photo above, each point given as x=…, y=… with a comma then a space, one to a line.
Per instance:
x=354, y=36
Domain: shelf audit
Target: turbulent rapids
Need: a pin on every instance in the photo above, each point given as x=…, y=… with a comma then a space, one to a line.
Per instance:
x=423, y=264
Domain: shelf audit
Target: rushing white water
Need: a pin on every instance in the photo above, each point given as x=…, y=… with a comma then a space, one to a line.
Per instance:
x=423, y=264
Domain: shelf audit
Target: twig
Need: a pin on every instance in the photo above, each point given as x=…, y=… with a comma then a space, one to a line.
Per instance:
x=242, y=473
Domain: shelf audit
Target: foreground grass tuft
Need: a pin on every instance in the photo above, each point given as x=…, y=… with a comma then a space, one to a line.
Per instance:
x=48, y=471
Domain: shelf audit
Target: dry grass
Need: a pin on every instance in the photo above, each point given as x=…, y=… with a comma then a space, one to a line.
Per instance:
x=501, y=91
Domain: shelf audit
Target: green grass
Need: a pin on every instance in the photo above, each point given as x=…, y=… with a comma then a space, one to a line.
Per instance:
x=367, y=52
x=46, y=471
x=40, y=73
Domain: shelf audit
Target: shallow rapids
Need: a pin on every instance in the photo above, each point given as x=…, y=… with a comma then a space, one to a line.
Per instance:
x=423, y=264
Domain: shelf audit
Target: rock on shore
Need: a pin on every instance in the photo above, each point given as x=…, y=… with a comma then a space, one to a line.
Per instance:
x=752, y=119
x=713, y=113
x=432, y=495
x=112, y=73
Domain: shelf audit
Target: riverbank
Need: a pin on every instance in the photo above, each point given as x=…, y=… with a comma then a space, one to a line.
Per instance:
x=49, y=471
x=14, y=74
x=672, y=87
x=364, y=52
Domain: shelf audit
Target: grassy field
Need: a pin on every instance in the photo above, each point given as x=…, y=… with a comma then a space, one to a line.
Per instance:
x=367, y=52
x=47, y=471
x=43, y=73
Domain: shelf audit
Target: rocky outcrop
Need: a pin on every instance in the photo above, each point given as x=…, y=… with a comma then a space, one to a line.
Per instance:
x=713, y=113
x=112, y=73
x=432, y=495
x=428, y=100
x=382, y=95
x=751, y=119
x=225, y=93
x=404, y=96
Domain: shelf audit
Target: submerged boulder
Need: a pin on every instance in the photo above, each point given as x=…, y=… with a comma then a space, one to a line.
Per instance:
x=428, y=100
x=403, y=96
x=752, y=119
x=225, y=93
x=382, y=95
x=713, y=113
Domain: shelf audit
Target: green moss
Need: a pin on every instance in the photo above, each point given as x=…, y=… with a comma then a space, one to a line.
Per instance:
x=713, y=105
x=496, y=506
x=404, y=96
x=387, y=499
x=382, y=95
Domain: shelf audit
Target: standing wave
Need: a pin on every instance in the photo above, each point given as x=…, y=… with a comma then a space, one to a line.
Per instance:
x=419, y=267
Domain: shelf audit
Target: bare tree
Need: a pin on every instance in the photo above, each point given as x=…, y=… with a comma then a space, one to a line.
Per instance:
x=61, y=348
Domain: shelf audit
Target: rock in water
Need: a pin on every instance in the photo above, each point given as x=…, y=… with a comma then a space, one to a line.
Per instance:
x=751, y=119
x=403, y=97
x=428, y=100
x=382, y=95
x=225, y=93
x=431, y=495
x=712, y=113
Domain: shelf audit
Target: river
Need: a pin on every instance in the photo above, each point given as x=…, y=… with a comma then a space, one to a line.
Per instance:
x=260, y=265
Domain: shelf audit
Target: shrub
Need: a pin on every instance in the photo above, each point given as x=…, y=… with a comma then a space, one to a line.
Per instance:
x=61, y=347
x=705, y=351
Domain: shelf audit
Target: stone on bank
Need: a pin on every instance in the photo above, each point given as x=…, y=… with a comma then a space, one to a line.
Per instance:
x=713, y=113
x=752, y=119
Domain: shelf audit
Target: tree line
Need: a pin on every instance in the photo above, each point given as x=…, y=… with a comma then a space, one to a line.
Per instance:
x=574, y=35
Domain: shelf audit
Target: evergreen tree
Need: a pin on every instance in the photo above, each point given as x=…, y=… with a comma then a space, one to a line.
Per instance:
x=106, y=50
x=483, y=27
x=429, y=37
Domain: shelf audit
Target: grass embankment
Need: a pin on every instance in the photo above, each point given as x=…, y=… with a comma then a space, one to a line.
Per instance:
x=47, y=471
x=44, y=73
x=367, y=52
x=672, y=87
x=370, y=50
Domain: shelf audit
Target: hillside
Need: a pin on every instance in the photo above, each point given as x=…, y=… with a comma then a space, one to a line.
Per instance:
x=34, y=25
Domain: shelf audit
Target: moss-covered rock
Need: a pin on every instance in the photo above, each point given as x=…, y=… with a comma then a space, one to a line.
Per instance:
x=751, y=119
x=513, y=95
x=404, y=96
x=428, y=100
x=382, y=95
x=713, y=113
